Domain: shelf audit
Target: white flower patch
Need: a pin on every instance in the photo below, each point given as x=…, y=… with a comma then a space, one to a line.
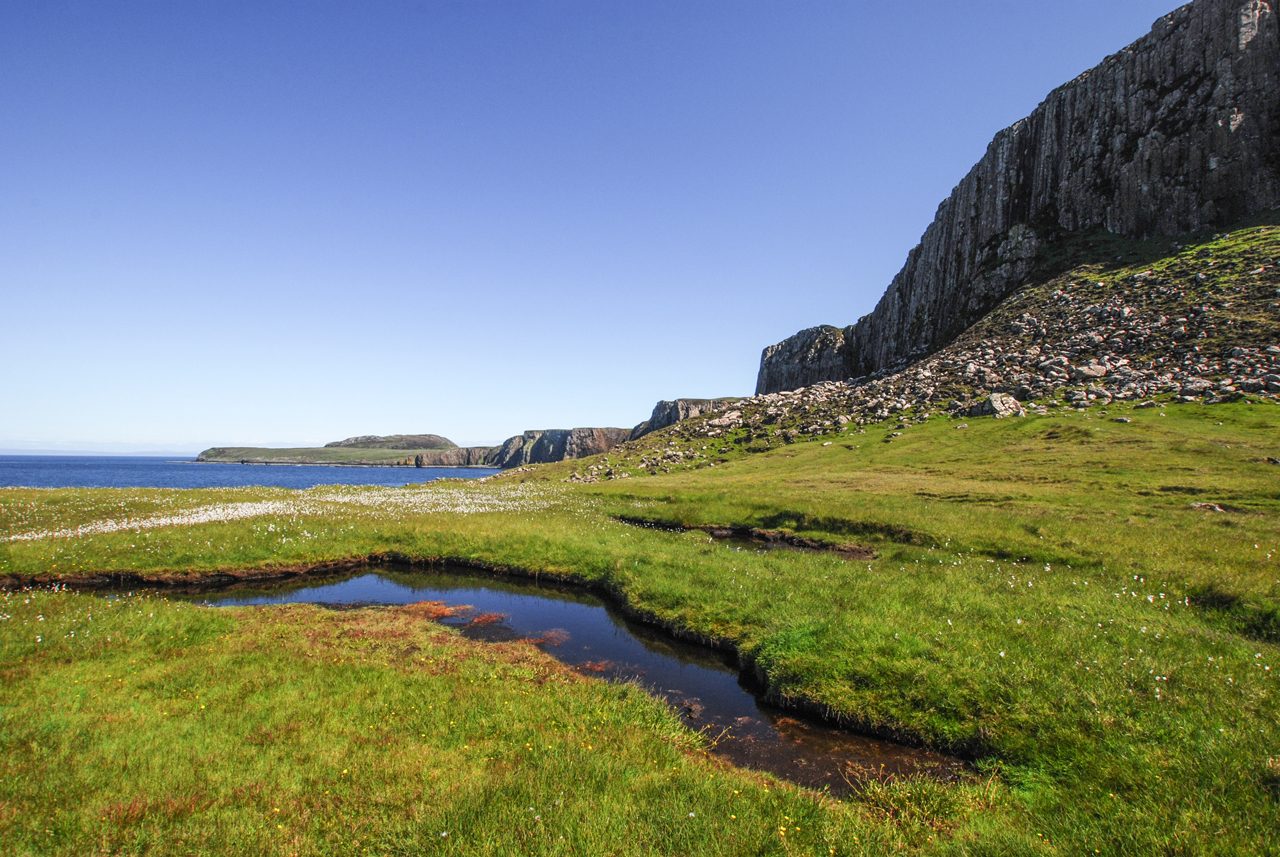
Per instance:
x=202, y=515
x=427, y=500
x=389, y=503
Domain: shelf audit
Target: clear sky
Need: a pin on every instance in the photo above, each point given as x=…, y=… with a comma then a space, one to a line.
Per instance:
x=277, y=223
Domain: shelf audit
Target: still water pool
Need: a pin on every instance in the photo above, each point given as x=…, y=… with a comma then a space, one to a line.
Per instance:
x=581, y=630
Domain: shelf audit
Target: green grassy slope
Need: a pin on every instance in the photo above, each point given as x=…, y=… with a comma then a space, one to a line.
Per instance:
x=160, y=728
x=1044, y=596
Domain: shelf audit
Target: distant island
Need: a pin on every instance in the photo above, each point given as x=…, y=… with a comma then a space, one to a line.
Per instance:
x=397, y=450
x=430, y=450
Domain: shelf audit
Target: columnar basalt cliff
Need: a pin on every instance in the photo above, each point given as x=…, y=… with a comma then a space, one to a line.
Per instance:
x=462, y=456
x=540, y=447
x=668, y=413
x=1176, y=133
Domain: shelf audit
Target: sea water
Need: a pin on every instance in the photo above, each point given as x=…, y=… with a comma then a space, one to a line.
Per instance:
x=118, y=471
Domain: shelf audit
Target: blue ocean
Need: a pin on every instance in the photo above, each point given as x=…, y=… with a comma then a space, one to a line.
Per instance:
x=115, y=471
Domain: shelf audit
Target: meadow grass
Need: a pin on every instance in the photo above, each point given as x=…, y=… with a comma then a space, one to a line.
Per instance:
x=142, y=726
x=1045, y=599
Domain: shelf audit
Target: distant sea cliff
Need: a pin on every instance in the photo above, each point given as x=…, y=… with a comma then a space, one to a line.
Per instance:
x=537, y=446
x=530, y=447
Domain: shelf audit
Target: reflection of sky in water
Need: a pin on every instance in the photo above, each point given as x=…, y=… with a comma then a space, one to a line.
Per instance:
x=699, y=682
x=595, y=635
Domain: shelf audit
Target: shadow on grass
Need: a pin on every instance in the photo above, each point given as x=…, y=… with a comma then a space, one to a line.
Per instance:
x=1231, y=613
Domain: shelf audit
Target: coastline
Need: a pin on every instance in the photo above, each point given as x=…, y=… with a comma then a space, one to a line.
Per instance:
x=248, y=462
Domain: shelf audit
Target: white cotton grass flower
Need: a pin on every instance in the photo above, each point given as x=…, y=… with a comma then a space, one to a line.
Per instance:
x=379, y=502
x=202, y=515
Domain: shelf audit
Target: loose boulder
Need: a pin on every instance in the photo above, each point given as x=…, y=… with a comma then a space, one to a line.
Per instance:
x=998, y=405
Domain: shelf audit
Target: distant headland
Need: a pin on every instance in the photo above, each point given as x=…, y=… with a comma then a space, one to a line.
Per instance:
x=537, y=446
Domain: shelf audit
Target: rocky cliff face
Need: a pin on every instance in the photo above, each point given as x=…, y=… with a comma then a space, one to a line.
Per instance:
x=668, y=413
x=540, y=447
x=1176, y=133
x=463, y=456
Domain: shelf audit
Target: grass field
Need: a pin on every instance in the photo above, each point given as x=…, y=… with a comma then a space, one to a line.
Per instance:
x=1046, y=599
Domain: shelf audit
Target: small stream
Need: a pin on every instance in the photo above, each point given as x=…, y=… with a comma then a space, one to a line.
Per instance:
x=581, y=630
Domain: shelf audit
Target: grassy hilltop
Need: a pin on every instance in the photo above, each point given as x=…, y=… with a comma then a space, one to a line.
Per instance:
x=1083, y=601
x=367, y=450
x=311, y=455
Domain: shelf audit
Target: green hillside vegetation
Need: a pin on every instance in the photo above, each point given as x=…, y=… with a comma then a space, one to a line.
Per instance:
x=313, y=455
x=1084, y=602
x=396, y=441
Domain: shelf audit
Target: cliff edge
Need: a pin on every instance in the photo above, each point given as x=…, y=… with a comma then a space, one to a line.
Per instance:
x=1174, y=134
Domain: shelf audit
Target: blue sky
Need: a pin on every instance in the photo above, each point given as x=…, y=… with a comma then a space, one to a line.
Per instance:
x=274, y=223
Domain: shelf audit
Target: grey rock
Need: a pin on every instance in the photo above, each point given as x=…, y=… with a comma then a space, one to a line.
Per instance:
x=816, y=354
x=1175, y=133
x=541, y=447
x=1196, y=386
x=1088, y=373
x=462, y=456
x=668, y=413
x=998, y=405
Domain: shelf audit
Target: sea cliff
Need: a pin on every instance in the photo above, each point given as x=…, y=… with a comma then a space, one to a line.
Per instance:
x=1175, y=133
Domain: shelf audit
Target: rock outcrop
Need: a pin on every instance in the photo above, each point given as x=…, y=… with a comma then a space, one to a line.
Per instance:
x=541, y=447
x=1174, y=134
x=668, y=413
x=998, y=405
x=460, y=456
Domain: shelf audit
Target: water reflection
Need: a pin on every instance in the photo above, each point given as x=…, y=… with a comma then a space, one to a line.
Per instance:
x=581, y=630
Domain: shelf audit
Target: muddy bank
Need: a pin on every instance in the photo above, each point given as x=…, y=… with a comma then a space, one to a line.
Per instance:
x=188, y=580
x=749, y=668
x=704, y=688
x=766, y=538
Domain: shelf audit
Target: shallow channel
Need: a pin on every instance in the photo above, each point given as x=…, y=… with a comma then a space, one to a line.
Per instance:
x=583, y=631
